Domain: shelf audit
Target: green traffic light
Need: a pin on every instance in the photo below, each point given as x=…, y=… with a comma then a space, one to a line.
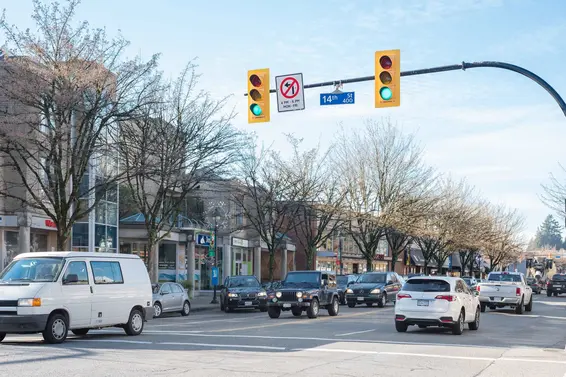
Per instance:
x=256, y=109
x=385, y=93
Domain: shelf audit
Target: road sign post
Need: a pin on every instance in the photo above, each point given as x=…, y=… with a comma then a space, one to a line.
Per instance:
x=290, y=92
x=214, y=278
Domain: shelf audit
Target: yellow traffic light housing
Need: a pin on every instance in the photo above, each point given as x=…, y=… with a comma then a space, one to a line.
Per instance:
x=387, y=78
x=258, y=96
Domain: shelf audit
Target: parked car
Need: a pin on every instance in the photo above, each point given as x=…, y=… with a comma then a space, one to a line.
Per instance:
x=437, y=301
x=556, y=285
x=170, y=297
x=470, y=281
x=305, y=291
x=506, y=289
x=342, y=284
x=374, y=288
x=242, y=292
x=54, y=292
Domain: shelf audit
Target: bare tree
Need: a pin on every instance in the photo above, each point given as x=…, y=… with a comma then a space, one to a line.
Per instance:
x=268, y=196
x=169, y=148
x=387, y=186
x=320, y=209
x=66, y=88
x=554, y=195
x=505, y=243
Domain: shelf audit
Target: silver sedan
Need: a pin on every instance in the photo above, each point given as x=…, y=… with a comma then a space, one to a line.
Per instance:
x=170, y=297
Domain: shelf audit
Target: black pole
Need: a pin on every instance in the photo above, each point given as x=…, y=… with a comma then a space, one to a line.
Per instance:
x=340, y=254
x=214, y=299
x=455, y=67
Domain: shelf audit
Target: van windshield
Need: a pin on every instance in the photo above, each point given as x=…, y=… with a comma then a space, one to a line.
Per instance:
x=32, y=270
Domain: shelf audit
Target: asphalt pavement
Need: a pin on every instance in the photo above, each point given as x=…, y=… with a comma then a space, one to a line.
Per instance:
x=359, y=342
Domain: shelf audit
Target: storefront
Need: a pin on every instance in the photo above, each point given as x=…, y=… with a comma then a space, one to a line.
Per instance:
x=242, y=257
x=42, y=237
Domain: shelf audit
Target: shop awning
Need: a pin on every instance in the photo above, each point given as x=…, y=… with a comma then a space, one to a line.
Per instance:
x=325, y=254
x=417, y=257
x=182, y=221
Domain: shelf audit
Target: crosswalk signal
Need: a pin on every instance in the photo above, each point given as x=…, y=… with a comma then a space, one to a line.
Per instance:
x=258, y=96
x=387, y=78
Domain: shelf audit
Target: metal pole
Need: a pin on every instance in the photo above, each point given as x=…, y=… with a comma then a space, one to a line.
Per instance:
x=455, y=67
x=340, y=254
x=214, y=299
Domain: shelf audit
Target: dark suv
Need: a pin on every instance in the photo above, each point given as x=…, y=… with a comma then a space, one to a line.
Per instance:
x=304, y=291
x=556, y=285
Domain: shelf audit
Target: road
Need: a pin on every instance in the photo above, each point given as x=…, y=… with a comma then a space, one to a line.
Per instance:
x=359, y=342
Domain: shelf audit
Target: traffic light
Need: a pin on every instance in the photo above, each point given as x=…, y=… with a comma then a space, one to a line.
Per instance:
x=258, y=95
x=387, y=78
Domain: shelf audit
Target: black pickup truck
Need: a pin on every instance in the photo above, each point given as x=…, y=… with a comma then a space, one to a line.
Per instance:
x=304, y=291
x=556, y=285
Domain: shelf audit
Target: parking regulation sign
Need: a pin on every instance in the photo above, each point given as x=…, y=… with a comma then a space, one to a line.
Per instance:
x=290, y=93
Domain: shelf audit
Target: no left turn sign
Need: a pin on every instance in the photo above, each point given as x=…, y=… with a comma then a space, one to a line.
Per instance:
x=290, y=93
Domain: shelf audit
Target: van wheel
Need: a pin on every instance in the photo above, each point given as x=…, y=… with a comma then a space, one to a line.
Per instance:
x=2, y=336
x=157, y=310
x=135, y=323
x=186, y=309
x=80, y=332
x=56, y=329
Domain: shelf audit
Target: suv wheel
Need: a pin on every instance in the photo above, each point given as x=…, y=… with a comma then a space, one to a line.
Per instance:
x=274, y=311
x=383, y=301
x=476, y=324
x=458, y=327
x=334, y=307
x=401, y=327
x=2, y=336
x=313, y=309
x=548, y=292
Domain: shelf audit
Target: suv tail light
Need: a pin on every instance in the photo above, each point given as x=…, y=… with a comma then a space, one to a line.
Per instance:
x=518, y=291
x=548, y=282
x=403, y=295
x=478, y=288
x=446, y=297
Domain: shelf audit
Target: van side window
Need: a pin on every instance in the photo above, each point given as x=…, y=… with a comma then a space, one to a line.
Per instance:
x=76, y=274
x=107, y=272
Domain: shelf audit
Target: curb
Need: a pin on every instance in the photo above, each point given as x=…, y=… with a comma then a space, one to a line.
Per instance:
x=204, y=308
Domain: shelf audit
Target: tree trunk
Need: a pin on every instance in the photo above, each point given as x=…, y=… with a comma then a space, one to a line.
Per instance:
x=310, y=258
x=153, y=262
x=62, y=239
x=369, y=264
x=425, y=267
x=439, y=267
x=394, y=261
x=271, y=264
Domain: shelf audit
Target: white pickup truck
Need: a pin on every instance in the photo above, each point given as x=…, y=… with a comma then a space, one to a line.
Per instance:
x=505, y=289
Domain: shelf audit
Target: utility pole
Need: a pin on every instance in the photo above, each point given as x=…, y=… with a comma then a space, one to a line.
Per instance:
x=340, y=253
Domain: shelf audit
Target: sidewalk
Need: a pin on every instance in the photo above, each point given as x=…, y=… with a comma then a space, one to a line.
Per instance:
x=202, y=301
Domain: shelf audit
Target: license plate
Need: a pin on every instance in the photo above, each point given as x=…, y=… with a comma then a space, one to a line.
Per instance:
x=360, y=299
x=286, y=305
x=422, y=303
x=248, y=303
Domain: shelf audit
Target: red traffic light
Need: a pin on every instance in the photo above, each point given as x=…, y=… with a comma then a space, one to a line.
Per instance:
x=385, y=62
x=255, y=80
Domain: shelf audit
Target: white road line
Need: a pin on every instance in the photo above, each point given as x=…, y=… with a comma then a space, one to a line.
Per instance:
x=355, y=332
x=428, y=355
x=77, y=340
x=530, y=316
x=222, y=345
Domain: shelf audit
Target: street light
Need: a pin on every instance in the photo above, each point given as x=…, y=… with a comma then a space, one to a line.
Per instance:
x=216, y=218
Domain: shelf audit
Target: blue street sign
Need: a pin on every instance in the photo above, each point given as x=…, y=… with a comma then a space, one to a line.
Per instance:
x=450, y=261
x=214, y=275
x=346, y=98
x=203, y=239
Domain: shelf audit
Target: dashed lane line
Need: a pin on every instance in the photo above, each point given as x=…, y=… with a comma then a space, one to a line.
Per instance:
x=355, y=332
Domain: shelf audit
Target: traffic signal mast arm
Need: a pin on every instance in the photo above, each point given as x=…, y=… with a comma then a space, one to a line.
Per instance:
x=455, y=67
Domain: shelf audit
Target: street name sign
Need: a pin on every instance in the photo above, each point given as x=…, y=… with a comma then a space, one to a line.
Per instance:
x=340, y=98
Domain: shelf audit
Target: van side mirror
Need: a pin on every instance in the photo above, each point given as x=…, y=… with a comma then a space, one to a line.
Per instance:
x=71, y=278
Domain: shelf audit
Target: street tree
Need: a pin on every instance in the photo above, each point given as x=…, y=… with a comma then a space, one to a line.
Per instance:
x=169, y=148
x=387, y=185
x=549, y=234
x=505, y=244
x=554, y=193
x=267, y=194
x=319, y=213
x=65, y=89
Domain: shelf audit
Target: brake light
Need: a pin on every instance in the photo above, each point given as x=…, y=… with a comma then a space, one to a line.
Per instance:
x=478, y=288
x=446, y=297
x=548, y=282
x=518, y=291
x=403, y=295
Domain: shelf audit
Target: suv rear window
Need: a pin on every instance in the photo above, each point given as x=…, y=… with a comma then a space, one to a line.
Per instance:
x=426, y=285
x=559, y=278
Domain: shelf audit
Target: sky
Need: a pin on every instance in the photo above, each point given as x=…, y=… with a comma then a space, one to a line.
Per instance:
x=498, y=129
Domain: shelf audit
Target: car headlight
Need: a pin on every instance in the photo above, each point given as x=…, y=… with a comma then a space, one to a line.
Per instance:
x=29, y=302
x=299, y=294
x=261, y=294
x=232, y=295
x=278, y=294
x=349, y=291
x=375, y=291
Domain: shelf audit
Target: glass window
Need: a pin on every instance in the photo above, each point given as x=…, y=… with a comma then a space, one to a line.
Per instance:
x=111, y=213
x=38, y=242
x=167, y=256
x=107, y=272
x=302, y=278
x=373, y=278
x=166, y=288
x=426, y=285
x=243, y=281
x=112, y=193
x=111, y=233
x=100, y=212
x=33, y=270
x=176, y=288
x=79, y=270
x=83, y=188
x=504, y=277
x=80, y=235
x=558, y=277
x=100, y=236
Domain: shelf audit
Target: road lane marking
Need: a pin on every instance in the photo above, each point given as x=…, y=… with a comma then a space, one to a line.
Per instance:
x=355, y=332
x=428, y=355
x=292, y=322
x=222, y=345
x=529, y=315
x=200, y=322
x=77, y=340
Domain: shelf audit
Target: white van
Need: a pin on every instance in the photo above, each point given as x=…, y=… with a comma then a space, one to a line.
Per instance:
x=54, y=292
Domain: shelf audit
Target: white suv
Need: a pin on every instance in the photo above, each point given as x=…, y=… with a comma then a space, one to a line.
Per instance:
x=437, y=301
